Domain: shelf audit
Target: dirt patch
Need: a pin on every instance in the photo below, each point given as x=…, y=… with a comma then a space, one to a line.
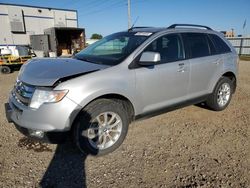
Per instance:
x=1, y=167
x=190, y=147
x=36, y=146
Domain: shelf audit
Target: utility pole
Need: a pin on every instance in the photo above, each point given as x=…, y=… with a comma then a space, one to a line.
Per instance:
x=129, y=15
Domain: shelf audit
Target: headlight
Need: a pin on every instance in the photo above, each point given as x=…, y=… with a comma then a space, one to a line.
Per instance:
x=41, y=96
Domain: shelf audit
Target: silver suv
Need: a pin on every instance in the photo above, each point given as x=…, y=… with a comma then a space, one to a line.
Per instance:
x=144, y=71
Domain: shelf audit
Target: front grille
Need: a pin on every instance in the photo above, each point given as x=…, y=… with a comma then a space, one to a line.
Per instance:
x=23, y=92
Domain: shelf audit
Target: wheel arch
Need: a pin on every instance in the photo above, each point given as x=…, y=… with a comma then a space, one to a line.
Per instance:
x=232, y=77
x=125, y=101
x=128, y=105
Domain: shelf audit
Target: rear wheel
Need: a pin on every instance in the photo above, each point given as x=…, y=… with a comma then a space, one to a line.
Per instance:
x=5, y=69
x=221, y=96
x=101, y=127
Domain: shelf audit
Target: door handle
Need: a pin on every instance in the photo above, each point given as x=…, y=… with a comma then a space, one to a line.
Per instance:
x=181, y=67
x=217, y=62
x=181, y=70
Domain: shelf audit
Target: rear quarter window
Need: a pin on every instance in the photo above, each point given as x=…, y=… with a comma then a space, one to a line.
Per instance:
x=220, y=45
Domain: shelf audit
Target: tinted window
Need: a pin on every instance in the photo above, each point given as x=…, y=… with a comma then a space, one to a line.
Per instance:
x=197, y=44
x=220, y=45
x=211, y=47
x=169, y=47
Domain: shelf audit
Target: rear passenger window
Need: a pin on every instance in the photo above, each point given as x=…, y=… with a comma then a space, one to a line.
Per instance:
x=220, y=45
x=198, y=44
x=169, y=47
x=211, y=47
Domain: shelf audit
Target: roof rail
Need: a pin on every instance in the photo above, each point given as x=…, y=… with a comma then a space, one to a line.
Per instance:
x=131, y=28
x=190, y=25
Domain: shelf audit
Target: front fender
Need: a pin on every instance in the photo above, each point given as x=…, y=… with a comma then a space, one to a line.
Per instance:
x=86, y=88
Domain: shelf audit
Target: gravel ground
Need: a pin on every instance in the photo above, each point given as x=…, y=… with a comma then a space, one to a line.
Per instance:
x=190, y=147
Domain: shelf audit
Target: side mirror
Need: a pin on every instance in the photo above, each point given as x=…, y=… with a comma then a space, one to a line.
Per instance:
x=149, y=58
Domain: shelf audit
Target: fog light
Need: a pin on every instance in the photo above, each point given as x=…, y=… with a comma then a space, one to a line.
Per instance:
x=36, y=133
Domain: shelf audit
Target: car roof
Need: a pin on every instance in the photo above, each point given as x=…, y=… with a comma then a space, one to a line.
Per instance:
x=147, y=29
x=174, y=27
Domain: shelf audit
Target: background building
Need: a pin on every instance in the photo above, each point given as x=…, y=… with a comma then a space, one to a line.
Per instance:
x=18, y=22
x=229, y=33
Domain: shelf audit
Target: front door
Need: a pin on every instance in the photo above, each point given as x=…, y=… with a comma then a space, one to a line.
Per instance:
x=165, y=83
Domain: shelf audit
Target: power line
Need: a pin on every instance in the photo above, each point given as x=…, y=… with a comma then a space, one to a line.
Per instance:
x=81, y=6
x=95, y=4
x=102, y=8
x=114, y=5
x=69, y=4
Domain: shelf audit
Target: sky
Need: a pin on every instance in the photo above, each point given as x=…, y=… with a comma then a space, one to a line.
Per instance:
x=108, y=16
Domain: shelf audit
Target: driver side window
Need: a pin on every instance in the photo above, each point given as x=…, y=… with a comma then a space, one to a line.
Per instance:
x=169, y=47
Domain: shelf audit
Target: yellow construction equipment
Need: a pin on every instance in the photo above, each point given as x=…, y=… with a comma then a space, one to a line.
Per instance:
x=9, y=62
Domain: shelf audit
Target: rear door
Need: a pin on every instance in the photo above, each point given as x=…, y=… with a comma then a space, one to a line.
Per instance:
x=166, y=83
x=226, y=53
x=205, y=64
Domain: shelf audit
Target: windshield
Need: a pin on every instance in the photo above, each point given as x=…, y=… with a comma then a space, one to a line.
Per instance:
x=112, y=49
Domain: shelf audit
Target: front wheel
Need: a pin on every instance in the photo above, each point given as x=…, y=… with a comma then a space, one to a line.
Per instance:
x=101, y=127
x=221, y=96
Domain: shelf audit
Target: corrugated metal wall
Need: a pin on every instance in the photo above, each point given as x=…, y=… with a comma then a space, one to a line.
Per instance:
x=241, y=44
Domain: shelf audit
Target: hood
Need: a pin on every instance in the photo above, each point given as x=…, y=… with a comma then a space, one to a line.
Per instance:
x=47, y=71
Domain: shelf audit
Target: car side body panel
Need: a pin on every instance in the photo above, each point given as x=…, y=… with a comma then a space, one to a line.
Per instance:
x=113, y=80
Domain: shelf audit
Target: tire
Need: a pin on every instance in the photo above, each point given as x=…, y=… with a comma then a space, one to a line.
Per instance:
x=221, y=96
x=90, y=132
x=5, y=70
